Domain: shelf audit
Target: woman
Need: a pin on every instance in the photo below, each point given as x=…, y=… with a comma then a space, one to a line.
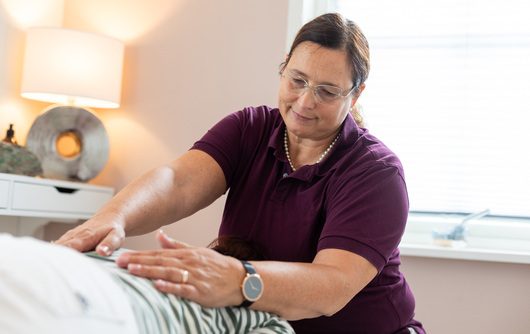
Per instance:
x=324, y=200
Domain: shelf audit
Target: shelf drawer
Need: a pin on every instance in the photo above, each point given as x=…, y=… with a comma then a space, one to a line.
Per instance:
x=49, y=198
x=4, y=193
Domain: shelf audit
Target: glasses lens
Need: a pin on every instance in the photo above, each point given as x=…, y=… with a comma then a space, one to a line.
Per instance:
x=323, y=93
x=328, y=93
x=296, y=83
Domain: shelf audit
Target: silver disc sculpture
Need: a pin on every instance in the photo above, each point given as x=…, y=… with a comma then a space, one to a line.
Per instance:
x=70, y=142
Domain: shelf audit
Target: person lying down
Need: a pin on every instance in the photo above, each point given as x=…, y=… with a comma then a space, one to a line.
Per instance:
x=47, y=288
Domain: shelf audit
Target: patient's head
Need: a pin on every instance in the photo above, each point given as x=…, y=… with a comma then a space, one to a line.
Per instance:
x=236, y=247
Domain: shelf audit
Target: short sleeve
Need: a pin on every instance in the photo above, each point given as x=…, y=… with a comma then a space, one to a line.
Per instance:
x=223, y=143
x=233, y=140
x=366, y=214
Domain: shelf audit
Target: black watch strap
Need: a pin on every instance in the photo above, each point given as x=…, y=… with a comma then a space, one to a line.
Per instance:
x=246, y=303
x=250, y=270
x=248, y=267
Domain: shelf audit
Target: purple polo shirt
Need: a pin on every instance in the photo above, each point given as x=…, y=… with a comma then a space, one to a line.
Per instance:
x=355, y=200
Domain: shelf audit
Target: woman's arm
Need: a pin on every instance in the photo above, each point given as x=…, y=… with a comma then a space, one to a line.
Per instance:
x=308, y=290
x=162, y=196
x=291, y=290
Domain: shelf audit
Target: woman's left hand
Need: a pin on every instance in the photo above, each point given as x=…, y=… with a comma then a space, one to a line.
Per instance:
x=196, y=273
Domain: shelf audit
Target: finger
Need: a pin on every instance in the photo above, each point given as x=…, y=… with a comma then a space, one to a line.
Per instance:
x=84, y=238
x=123, y=260
x=187, y=291
x=164, y=261
x=111, y=241
x=66, y=237
x=171, y=253
x=141, y=257
x=170, y=274
x=168, y=242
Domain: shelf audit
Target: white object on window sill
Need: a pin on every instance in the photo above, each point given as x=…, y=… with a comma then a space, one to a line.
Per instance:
x=488, y=239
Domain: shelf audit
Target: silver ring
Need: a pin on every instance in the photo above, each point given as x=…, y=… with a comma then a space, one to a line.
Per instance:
x=185, y=276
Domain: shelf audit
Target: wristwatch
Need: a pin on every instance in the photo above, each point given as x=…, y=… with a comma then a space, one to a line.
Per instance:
x=252, y=286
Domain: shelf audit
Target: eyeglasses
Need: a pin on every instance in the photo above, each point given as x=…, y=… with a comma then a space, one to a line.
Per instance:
x=322, y=93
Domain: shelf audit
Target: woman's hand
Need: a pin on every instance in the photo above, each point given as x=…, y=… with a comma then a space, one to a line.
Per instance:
x=104, y=232
x=196, y=273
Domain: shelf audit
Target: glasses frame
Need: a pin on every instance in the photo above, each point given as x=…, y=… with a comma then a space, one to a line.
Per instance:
x=341, y=93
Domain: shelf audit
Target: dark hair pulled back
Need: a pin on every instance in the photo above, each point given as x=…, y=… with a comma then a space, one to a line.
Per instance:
x=333, y=31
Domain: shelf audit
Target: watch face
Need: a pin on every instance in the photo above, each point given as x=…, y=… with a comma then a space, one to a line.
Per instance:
x=252, y=287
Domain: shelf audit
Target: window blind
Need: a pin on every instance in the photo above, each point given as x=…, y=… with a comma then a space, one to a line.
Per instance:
x=449, y=92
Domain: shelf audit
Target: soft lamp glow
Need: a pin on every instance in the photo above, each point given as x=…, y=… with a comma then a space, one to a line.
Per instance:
x=35, y=13
x=123, y=19
x=72, y=67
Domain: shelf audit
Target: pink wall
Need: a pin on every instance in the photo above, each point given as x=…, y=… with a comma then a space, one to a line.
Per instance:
x=205, y=59
x=461, y=296
x=198, y=62
x=13, y=108
x=190, y=62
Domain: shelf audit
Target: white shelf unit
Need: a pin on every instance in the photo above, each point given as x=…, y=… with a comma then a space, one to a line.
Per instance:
x=27, y=203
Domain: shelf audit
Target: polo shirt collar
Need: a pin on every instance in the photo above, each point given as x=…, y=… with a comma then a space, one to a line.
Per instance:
x=349, y=134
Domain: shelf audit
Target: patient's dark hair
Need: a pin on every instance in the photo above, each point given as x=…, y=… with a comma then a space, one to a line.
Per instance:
x=236, y=247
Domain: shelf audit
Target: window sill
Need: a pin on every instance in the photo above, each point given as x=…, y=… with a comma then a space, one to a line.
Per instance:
x=488, y=239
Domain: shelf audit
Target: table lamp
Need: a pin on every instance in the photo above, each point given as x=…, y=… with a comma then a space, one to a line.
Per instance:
x=75, y=70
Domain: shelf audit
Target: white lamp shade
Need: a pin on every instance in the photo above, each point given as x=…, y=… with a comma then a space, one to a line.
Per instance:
x=72, y=67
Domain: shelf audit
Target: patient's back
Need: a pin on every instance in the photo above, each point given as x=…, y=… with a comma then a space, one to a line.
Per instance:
x=47, y=288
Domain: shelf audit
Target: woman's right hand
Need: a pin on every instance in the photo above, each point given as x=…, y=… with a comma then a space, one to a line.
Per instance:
x=148, y=202
x=103, y=232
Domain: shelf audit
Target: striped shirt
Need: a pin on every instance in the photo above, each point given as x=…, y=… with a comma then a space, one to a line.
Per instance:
x=158, y=312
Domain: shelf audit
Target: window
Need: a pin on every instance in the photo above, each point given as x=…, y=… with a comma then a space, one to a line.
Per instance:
x=449, y=92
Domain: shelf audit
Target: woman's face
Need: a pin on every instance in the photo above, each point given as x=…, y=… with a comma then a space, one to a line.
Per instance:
x=304, y=115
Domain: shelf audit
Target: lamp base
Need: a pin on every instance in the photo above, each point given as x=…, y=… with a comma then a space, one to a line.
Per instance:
x=70, y=142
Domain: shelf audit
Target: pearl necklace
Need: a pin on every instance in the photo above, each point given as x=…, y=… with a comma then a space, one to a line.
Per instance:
x=286, y=147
